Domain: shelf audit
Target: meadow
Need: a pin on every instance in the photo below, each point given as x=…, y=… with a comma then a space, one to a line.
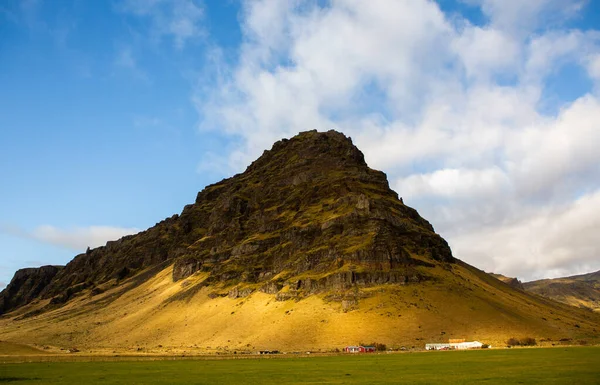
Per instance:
x=565, y=365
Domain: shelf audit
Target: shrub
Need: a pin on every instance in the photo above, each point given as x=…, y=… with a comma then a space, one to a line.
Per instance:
x=380, y=347
x=528, y=341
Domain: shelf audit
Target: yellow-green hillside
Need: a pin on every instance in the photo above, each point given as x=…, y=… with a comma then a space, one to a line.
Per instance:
x=307, y=249
x=461, y=302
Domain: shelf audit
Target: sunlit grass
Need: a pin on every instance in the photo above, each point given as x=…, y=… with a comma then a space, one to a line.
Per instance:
x=529, y=366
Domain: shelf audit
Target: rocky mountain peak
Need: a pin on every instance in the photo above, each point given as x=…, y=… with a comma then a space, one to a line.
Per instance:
x=308, y=216
x=330, y=148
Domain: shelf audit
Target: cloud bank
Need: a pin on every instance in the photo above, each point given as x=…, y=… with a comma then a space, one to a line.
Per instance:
x=75, y=238
x=459, y=115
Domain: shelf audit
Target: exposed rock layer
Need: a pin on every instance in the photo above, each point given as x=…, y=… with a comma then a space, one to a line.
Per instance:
x=26, y=285
x=309, y=214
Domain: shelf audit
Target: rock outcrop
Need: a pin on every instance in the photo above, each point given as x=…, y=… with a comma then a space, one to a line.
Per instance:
x=26, y=285
x=308, y=216
x=510, y=281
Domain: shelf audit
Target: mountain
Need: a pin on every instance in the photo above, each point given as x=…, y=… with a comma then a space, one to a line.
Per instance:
x=309, y=248
x=310, y=210
x=579, y=290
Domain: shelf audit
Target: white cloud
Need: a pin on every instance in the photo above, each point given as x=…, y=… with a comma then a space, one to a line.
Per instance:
x=456, y=184
x=550, y=51
x=334, y=54
x=593, y=67
x=176, y=19
x=486, y=51
x=554, y=241
x=526, y=16
x=79, y=238
x=75, y=238
x=561, y=156
x=450, y=111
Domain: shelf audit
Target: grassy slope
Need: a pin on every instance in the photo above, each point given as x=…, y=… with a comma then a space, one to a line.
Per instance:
x=12, y=349
x=463, y=303
x=531, y=366
x=579, y=290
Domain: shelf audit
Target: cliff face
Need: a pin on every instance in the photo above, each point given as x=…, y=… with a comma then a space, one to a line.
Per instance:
x=307, y=216
x=26, y=285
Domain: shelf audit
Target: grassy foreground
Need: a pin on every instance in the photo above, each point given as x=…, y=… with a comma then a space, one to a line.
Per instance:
x=530, y=366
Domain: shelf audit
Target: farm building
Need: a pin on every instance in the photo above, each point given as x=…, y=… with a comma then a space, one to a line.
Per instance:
x=360, y=349
x=467, y=345
x=437, y=346
x=367, y=349
x=455, y=345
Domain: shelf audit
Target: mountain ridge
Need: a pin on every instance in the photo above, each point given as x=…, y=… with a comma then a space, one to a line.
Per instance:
x=308, y=248
x=282, y=217
x=582, y=290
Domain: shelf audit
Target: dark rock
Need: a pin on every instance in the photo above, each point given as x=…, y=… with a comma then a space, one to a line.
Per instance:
x=288, y=295
x=309, y=207
x=239, y=293
x=510, y=281
x=122, y=273
x=96, y=291
x=184, y=267
x=26, y=285
x=271, y=288
x=69, y=293
x=515, y=284
x=214, y=295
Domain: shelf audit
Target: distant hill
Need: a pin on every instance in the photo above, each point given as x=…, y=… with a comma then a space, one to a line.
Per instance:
x=578, y=290
x=307, y=249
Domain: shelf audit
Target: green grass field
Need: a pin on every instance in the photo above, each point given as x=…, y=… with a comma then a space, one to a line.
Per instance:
x=527, y=366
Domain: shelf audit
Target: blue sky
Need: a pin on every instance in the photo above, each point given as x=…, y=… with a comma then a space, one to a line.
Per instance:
x=114, y=114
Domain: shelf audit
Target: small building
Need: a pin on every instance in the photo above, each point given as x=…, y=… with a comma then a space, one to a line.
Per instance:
x=268, y=352
x=467, y=345
x=360, y=349
x=455, y=345
x=367, y=349
x=437, y=346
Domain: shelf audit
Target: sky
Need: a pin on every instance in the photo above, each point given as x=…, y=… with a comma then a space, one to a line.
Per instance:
x=484, y=114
